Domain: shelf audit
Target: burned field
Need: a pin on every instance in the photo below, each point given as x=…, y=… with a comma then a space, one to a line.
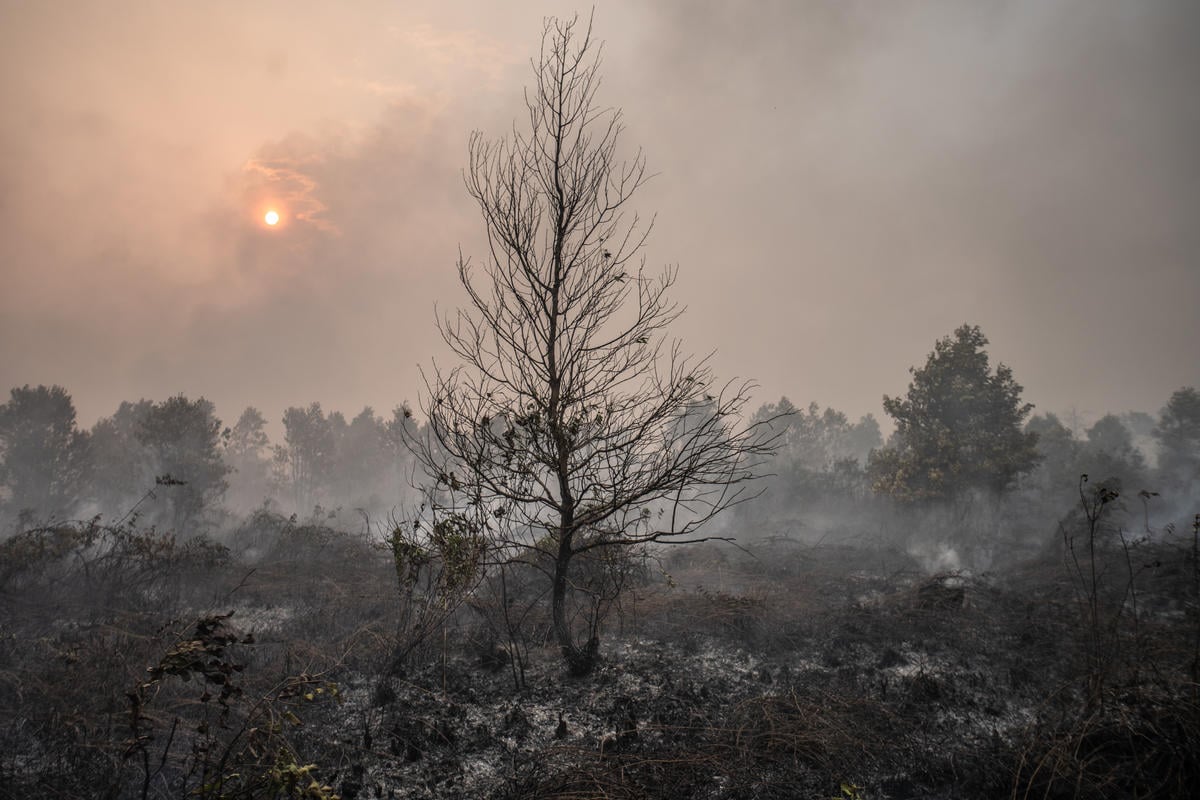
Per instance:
x=588, y=560
x=281, y=664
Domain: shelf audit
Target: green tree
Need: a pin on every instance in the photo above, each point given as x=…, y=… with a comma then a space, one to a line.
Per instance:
x=1056, y=476
x=958, y=429
x=307, y=458
x=818, y=463
x=43, y=454
x=121, y=470
x=362, y=461
x=182, y=438
x=816, y=440
x=247, y=450
x=1178, y=435
x=563, y=432
x=1110, y=457
x=862, y=437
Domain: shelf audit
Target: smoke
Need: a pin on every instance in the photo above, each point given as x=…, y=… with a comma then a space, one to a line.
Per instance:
x=840, y=184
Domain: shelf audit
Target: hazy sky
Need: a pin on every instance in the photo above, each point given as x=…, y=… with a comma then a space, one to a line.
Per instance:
x=840, y=183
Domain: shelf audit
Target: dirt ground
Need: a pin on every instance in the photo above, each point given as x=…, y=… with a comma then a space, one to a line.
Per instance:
x=775, y=671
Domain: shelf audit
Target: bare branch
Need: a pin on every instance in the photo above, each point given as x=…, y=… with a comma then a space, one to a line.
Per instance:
x=572, y=423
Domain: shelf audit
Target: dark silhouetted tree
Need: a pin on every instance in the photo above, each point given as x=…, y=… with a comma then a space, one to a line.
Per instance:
x=1056, y=477
x=1178, y=435
x=958, y=430
x=43, y=455
x=560, y=434
x=121, y=470
x=1139, y=423
x=862, y=437
x=363, y=463
x=816, y=439
x=1110, y=457
x=183, y=440
x=247, y=454
x=817, y=467
x=307, y=459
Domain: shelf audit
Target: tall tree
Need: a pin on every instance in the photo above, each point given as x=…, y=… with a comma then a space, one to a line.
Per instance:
x=247, y=454
x=959, y=428
x=1056, y=477
x=362, y=464
x=121, y=470
x=863, y=437
x=1178, y=435
x=183, y=439
x=816, y=440
x=817, y=468
x=307, y=458
x=559, y=435
x=43, y=454
x=1110, y=457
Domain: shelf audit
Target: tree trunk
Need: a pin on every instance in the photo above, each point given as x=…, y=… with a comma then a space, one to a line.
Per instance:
x=580, y=660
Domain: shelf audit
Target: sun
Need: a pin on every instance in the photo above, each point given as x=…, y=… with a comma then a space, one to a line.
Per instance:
x=271, y=217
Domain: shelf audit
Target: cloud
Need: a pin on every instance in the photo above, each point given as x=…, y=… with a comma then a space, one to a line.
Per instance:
x=462, y=51
x=285, y=181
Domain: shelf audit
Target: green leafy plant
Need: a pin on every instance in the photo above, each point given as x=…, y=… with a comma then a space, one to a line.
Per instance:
x=233, y=747
x=848, y=791
x=436, y=565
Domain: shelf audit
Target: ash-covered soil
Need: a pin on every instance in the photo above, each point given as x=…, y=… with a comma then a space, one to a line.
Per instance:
x=779, y=670
x=821, y=684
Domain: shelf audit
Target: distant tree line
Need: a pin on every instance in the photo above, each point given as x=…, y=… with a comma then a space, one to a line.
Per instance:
x=174, y=463
x=967, y=447
x=962, y=433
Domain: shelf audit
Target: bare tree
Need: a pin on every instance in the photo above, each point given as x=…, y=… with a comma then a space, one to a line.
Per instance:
x=573, y=426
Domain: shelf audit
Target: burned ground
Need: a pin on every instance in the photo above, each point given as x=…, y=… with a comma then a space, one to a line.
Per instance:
x=132, y=665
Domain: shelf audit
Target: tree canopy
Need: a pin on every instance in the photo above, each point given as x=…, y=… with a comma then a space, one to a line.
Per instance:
x=183, y=438
x=43, y=454
x=958, y=429
x=1178, y=435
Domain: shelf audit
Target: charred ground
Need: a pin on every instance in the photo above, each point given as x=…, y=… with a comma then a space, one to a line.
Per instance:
x=280, y=664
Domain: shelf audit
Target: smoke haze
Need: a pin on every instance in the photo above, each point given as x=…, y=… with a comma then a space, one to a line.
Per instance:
x=840, y=183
